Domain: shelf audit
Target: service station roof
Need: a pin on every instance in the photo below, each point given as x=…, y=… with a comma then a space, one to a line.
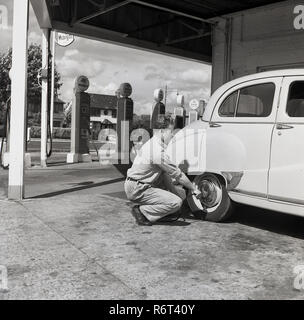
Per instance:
x=175, y=27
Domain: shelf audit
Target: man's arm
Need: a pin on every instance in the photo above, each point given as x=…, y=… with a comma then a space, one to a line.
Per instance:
x=183, y=180
x=174, y=172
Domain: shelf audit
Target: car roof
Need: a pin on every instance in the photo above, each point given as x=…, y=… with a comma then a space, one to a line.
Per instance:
x=270, y=74
x=261, y=75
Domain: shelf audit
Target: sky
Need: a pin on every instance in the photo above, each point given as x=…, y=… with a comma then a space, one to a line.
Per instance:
x=107, y=66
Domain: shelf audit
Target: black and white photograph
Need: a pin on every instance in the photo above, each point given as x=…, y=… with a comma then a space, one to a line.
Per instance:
x=151, y=151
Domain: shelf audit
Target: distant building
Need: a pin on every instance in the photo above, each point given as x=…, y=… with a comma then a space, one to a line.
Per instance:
x=34, y=110
x=103, y=112
x=58, y=117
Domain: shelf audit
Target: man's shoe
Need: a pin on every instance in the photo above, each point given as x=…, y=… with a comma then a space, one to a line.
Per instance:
x=172, y=217
x=139, y=217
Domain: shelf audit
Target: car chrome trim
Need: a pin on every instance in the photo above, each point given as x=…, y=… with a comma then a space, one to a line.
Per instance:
x=270, y=198
x=251, y=194
x=287, y=200
x=243, y=122
x=294, y=123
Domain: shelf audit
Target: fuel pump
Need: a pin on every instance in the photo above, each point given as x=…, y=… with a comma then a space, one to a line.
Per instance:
x=193, y=113
x=125, y=107
x=158, y=107
x=180, y=113
x=80, y=132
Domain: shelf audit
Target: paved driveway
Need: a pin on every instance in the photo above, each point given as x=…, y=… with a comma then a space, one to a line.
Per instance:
x=74, y=237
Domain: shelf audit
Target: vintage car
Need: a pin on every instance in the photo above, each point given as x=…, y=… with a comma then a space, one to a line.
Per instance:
x=249, y=146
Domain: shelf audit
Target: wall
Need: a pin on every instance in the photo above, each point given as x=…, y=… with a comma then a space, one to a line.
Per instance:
x=260, y=39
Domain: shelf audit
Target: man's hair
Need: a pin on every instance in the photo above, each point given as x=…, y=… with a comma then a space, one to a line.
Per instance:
x=164, y=122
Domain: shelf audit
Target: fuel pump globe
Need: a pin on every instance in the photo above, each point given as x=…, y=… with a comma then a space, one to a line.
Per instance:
x=194, y=104
x=125, y=90
x=82, y=84
x=158, y=95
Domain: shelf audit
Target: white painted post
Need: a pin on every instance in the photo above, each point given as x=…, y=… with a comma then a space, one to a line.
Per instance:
x=18, y=100
x=53, y=80
x=44, y=97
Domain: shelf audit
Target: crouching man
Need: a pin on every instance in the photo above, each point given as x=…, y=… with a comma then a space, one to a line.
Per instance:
x=154, y=183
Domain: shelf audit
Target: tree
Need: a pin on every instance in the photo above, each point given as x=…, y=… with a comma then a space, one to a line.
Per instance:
x=5, y=65
x=34, y=65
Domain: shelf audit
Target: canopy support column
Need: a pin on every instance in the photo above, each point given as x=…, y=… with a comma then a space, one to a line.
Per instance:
x=18, y=100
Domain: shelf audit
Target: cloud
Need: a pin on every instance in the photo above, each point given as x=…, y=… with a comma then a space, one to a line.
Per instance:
x=195, y=76
x=34, y=37
x=72, y=64
x=73, y=52
x=187, y=78
x=6, y=35
x=143, y=107
x=5, y=40
x=109, y=89
x=151, y=68
x=156, y=75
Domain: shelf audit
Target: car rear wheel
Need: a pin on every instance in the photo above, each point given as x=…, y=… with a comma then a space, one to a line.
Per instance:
x=214, y=203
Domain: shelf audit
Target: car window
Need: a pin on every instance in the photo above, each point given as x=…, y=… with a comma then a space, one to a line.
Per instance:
x=227, y=108
x=295, y=103
x=256, y=100
x=252, y=101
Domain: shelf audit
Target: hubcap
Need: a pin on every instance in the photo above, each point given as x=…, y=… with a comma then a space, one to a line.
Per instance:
x=211, y=192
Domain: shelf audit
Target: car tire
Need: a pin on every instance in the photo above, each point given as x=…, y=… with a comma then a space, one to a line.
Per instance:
x=215, y=205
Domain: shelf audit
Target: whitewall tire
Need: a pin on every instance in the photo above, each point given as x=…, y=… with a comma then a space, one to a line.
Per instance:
x=215, y=204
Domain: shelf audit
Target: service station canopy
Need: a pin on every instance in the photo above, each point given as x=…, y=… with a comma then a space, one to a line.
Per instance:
x=175, y=27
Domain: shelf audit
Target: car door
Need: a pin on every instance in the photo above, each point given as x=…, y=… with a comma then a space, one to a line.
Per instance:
x=239, y=137
x=286, y=175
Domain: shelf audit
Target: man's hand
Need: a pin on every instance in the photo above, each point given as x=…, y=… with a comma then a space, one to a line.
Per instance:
x=196, y=192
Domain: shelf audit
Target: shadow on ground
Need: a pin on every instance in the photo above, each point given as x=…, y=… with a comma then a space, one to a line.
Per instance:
x=276, y=222
x=81, y=186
